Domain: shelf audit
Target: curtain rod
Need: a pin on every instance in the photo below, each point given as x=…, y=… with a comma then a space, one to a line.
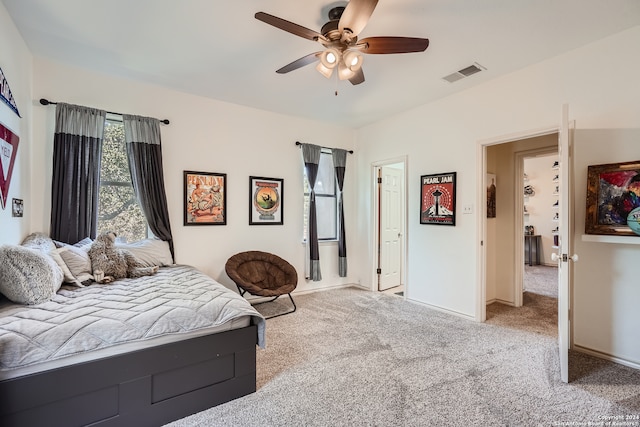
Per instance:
x=327, y=148
x=47, y=102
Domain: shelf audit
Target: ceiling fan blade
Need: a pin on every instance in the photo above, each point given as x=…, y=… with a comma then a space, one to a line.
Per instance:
x=356, y=15
x=290, y=27
x=358, y=78
x=384, y=45
x=299, y=63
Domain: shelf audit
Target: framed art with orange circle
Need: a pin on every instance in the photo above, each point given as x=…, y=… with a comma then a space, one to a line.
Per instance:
x=266, y=201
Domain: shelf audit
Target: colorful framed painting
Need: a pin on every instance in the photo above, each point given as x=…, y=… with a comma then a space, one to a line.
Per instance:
x=438, y=199
x=266, y=201
x=613, y=192
x=205, y=198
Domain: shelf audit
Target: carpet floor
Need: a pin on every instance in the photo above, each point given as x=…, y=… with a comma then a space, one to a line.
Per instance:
x=541, y=279
x=351, y=357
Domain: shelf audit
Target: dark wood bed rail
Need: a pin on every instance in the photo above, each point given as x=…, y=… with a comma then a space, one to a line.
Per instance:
x=148, y=387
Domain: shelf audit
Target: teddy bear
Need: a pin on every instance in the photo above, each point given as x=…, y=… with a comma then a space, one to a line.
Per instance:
x=110, y=263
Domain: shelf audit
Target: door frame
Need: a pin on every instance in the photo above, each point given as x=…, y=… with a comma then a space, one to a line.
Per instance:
x=375, y=203
x=519, y=220
x=481, y=155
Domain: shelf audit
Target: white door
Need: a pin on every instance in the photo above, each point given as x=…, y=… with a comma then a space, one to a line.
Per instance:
x=390, y=226
x=565, y=252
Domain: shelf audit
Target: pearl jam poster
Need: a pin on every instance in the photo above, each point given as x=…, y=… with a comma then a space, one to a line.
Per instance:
x=438, y=199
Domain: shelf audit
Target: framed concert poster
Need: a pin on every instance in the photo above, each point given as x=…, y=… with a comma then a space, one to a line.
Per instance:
x=205, y=198
x=266, y=201
x=438, y=199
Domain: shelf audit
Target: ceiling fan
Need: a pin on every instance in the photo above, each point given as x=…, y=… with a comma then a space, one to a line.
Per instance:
x=339, y=36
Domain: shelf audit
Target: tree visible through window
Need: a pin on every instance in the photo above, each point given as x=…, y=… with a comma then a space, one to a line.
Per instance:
x=326, y=199
x=118, y=209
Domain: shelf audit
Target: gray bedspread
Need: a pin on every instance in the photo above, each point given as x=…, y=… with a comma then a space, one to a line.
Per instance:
x=176, y=300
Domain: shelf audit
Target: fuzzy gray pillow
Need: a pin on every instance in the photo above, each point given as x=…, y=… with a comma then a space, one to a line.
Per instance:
x=39, y=241
x=28, y=276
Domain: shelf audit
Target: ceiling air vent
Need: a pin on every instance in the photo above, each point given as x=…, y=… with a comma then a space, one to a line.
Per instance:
x=465, y=72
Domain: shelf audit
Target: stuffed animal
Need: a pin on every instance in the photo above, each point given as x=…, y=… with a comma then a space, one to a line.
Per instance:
x=110, y=263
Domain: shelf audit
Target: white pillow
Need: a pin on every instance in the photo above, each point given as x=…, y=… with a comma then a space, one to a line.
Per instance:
x=67, y=276
x=77, y=264
x=28, y=276
x=149, y=252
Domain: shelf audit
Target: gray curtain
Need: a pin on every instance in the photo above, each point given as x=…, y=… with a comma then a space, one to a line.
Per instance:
x=144, y=152
x=75, y=185
x=311, y=157
x=339, y=164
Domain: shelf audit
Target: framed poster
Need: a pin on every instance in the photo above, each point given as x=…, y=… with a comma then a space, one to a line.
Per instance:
x=613, y=191
x=8, y=151
x=17, y=208
x=205, y=198
x=266, y=201
x=491, y=195
x=438, y=199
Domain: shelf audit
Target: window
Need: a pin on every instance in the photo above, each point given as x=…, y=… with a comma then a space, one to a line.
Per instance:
x=326, y=199
x=118, y=209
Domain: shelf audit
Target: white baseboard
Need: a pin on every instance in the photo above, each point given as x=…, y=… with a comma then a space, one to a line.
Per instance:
x=258, y=299
x=443, y=310
x=605, y=356
x=501, y=301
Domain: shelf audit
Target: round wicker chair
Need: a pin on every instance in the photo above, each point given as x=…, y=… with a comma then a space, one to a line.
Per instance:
x=263, y=274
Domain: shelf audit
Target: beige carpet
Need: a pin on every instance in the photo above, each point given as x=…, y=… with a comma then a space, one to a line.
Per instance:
x=350, y=357
x=541, y=279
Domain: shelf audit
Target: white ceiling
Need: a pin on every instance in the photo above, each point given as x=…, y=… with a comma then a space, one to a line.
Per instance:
x=219, y=50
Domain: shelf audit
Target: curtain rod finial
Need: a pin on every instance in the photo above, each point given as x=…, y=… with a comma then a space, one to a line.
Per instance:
x=44, y=101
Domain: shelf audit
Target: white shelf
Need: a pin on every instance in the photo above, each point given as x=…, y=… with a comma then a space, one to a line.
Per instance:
x=629, y=240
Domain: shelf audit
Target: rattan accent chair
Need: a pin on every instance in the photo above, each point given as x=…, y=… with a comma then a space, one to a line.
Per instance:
x=263, y=274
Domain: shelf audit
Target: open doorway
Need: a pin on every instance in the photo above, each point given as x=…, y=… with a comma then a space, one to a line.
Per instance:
x=390, y=213
x=500, y=271
x=541, y=218
x=520, y=229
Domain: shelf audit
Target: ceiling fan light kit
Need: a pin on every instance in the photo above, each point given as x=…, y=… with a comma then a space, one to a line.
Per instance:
x=339, y=36
x=327, y=72
x=329, y=58
x=348, y=63
x=353, y=60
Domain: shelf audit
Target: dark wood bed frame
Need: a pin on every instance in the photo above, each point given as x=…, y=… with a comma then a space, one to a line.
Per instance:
x=148, y=387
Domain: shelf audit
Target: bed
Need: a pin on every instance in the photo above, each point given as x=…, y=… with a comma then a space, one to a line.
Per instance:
x=135, y=352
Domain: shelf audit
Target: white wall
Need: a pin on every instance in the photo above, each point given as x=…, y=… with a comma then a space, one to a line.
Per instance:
x=204, y=135
x=15, y=61
x=601, y=85
x=606, y=281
